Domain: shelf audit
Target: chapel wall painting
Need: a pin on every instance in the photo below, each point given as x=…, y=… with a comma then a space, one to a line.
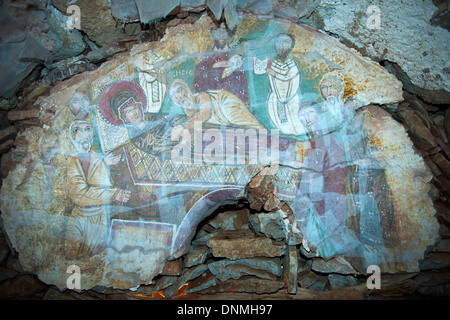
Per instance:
x=149, y=145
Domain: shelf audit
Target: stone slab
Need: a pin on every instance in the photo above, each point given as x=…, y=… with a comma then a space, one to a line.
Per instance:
x=240, y=245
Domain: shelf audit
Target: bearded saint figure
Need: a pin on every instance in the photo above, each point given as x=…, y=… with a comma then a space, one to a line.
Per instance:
x=222, y=68
x=91, y=191
x=283, y=103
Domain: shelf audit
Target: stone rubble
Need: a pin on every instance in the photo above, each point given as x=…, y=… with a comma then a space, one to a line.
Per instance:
x=201, y=273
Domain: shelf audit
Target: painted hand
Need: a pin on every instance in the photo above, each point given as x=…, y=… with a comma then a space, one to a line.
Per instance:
x=112, y=159
x=123, y=195
x=270, y=72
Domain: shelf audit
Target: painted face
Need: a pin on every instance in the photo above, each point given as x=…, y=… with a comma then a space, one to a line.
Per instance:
x=182, y=96
x=133, y=114
x=49, y=147
x=308, y=117
x=328, y=89
x=82, y=131
x=283, y=45
x=82, y=134
x=79, y=105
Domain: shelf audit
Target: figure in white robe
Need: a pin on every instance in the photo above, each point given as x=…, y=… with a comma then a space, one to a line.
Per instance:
x=283, y=102
x=150, y=80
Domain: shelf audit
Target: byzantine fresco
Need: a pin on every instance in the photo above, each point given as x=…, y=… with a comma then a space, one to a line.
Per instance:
x=145, y=148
